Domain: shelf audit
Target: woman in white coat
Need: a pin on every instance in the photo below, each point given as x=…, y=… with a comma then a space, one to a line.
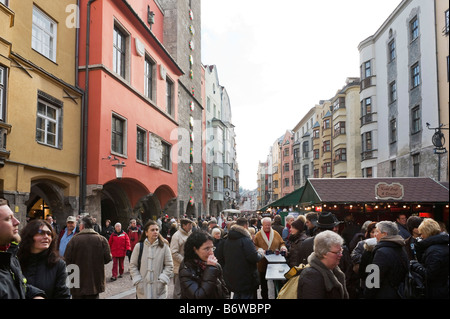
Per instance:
x=156, y=264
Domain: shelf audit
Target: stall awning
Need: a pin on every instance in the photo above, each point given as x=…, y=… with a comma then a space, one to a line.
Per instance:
x=374, y=190
x=291, y=199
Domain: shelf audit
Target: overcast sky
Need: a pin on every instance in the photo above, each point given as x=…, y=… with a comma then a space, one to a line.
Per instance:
x=277, y=59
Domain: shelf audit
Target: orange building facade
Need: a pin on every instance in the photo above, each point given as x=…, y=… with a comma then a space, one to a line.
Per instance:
x=130, y=111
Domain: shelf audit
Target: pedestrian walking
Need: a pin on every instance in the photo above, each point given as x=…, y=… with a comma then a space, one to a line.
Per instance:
x=40, y=261
x=67, y=234
x=107, y=230
x=266, y=241
x=134, y=233
x=240, y=258
x=13, y=284
x=390, y=258
x=152, y=267
x=432, y=254
x=119, y=242
x=90, y=252
x=323, y=279
x=177, y=249
x=200, y=274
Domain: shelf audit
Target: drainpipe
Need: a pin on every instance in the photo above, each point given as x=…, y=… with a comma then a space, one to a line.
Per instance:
x=85, y=112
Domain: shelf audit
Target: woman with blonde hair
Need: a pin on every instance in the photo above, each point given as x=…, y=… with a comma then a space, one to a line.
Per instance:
x=432, y=254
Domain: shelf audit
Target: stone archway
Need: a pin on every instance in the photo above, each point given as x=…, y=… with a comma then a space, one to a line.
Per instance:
x=52, y=194
x=115, y=204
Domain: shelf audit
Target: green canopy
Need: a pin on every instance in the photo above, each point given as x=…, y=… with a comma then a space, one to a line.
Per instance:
x=291, y=199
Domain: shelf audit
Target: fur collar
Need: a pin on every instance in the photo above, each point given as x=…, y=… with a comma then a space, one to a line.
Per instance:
x=241, y=230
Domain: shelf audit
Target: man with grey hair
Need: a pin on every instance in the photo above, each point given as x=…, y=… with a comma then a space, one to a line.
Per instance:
x=391, y=261
x=286, y=230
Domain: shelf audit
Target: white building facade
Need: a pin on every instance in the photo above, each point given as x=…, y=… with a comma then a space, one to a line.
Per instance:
x=399, y=94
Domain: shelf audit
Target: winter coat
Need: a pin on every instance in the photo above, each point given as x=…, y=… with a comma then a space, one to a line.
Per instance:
x=391, y=258
x=50, y=279
x=262, y=243
x=201, y=281
x=432, y=253
x=320, y=282
x=90, y=252
x=13, y=284
x=152, y=279
x=240, y=257
x=119, y=243
x=294, y=243
x=177, y=248
x=134, y=235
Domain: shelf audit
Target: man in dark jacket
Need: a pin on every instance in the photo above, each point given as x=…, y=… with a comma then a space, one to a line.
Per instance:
x=13, y=285
x=240, y=257
x=390, y=257
x=90, y=252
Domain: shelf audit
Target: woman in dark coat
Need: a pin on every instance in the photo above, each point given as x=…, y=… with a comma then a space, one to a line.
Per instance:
x=323, y=279
x=40, y=262
x=432, y=254
x=297, y=236
x=200, y=273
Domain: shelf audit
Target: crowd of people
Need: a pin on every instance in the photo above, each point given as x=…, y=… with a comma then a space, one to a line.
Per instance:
x=222, y=258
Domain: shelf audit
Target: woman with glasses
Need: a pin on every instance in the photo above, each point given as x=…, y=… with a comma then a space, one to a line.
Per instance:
x=41, y=264
x=323, y=279
x=200, y=273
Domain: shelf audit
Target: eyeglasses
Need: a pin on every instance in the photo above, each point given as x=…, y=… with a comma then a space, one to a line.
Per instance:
x=208, y=249
x=338, y=253
x=44, y=232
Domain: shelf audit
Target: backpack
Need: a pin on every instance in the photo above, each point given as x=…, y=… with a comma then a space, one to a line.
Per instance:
x=289, y=289
x=413, y=285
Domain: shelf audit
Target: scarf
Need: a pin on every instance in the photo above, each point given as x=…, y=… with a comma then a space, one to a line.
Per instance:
x=269, y=240
x=333, y=278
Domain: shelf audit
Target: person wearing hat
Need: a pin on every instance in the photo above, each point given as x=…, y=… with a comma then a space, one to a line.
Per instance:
x=67, y=234
x=325, y=221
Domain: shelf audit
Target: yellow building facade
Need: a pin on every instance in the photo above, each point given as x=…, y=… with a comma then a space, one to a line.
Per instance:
x=41, y=108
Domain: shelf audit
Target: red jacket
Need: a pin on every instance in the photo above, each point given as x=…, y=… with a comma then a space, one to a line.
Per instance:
x=119, y=244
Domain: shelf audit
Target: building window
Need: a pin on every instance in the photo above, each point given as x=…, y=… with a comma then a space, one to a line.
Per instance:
x=446, y=28
x=392, y=51
x=166, y=149
x=316, y=173
x=43, y=38
x=393, y=131
x=326, y=124
x=148, y=85
x=393, y=168
x=169, y=97
x=305, y=173
x=340, y=155
x=366, y=111
x=306, y=149
x=326, y=168
x=367, y=141
x=286, y=182
x=118, y=132
x=415, y=120
x=415, y=75
x=414, y=26
x=367, y=69
x=326, y=146
x=119, y=52
x=416, y=164
x=339, y=128
x=3, y=79
x=392, y=92
x=367, y=172
x=141, y=145
x=316, y=154
x=316, y=134
x=48, y=123
x=286, y=167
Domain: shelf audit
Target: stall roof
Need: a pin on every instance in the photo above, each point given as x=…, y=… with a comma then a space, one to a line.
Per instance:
x=363, y=190
x=291, y=199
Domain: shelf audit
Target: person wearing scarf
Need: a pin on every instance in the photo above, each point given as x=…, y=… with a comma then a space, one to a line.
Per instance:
x=323, y=279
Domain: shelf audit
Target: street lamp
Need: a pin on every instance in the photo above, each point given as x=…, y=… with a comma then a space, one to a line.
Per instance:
x=118, y=166
x=438, y=141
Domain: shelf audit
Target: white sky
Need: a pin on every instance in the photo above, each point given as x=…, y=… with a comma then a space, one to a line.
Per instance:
x=277, y=59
